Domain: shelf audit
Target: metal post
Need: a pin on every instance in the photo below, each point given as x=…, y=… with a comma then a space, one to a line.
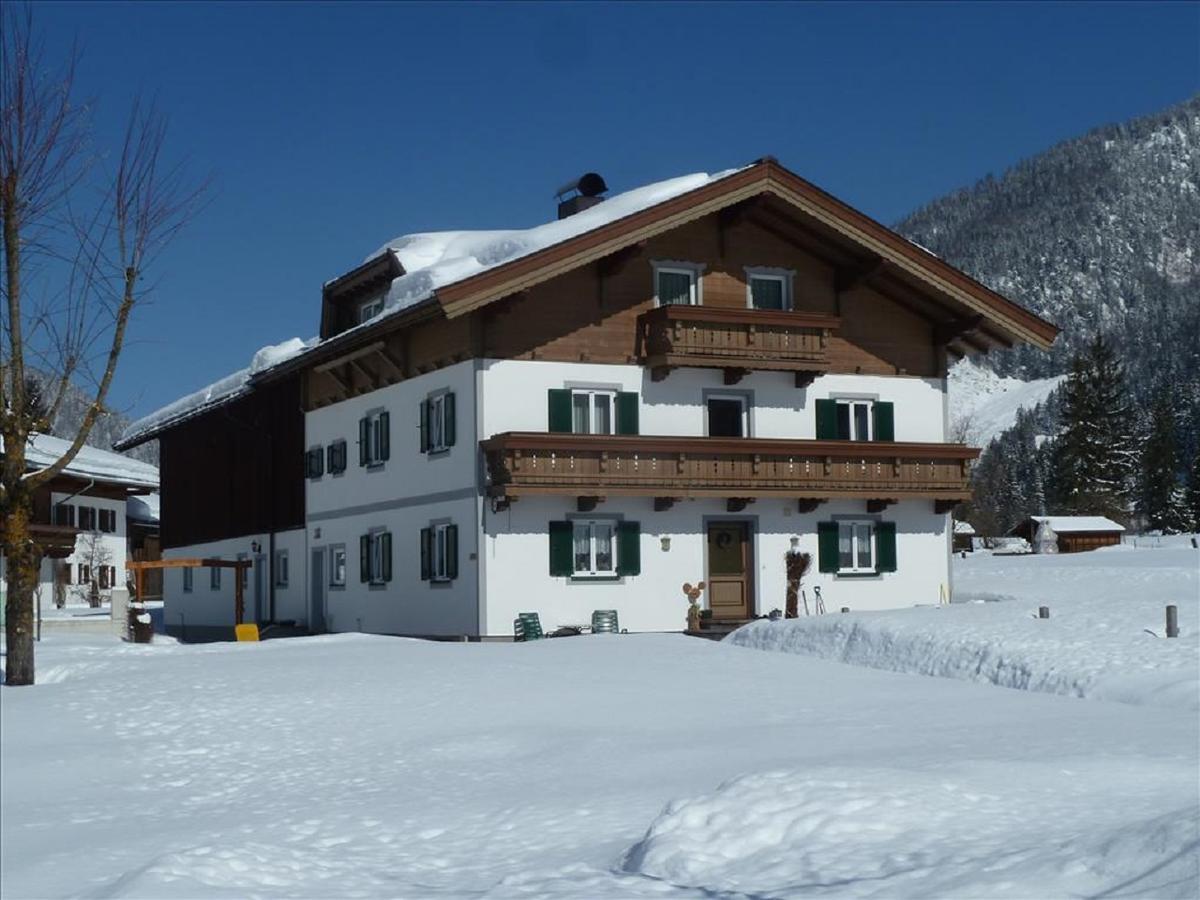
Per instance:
x=1043, y=612
x=1172, y=621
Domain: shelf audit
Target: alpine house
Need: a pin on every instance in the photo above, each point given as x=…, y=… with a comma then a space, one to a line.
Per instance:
x=682, y=383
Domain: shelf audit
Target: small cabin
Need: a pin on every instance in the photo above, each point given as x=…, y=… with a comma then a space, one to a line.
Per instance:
x=1074, y=534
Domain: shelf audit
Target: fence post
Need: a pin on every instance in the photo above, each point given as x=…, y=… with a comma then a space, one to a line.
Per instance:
x=1172, y=621
x=1043, y=612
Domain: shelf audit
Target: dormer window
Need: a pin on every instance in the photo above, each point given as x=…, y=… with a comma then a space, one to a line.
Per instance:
x=370, y=309
x=677, y=283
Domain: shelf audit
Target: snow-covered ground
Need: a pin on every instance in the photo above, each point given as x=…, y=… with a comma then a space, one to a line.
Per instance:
x=1105, y=637
x=594, y=767
x=984, y=404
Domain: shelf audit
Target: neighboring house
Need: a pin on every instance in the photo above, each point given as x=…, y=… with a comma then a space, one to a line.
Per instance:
x=1074, y=533
x=676, y=384
x=79, y=520
x=964, y=537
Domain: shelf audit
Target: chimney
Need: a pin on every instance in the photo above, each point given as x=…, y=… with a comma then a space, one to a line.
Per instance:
x=580, y=194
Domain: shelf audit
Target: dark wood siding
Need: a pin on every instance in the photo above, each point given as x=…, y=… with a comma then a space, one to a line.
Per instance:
x=235, y=471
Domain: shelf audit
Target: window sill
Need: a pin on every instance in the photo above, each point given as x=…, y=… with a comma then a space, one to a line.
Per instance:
x=857, y=574
x=585, y=579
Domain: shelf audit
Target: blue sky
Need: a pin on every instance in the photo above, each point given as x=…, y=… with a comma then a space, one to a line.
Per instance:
x=329, y=129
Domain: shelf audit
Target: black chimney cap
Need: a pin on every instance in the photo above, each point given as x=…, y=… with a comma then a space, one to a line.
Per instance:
x=590, y=184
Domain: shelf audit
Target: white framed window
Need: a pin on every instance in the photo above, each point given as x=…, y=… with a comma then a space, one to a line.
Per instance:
x=593, y=411
x=769, y=288
x=437, y=423
x=370, y=309
x=856, y=546
x=440, y=570
x=594, y=548
x=375, y=557
x=676, y=284
x=854, y=420
x=337, y=566
x=281, y=568
x=189, y=581
x=374, y=438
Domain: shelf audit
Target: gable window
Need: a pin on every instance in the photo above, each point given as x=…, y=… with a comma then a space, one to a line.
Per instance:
x=314, y=463
x=337, y=566
x=856, y=547
x=855, y=419
x=108, y=520
x=335, y=457
x=188, y=581
x=769, y=289
x=595, y=548
x=437, y=422
x=281, y=568
x=87, y=518
x=727, y=416
x=375, y=557
x=370, y=309
x=374, y=439
x=439, y=552
x=676, y=284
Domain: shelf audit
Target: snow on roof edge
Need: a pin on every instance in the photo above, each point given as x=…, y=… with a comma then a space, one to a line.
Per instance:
x=43, y=450
x=1079, y=523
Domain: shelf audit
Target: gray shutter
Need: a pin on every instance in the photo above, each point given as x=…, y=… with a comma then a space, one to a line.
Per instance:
x=426, y=553
x=561, y=555
x=451, y=551
x=827, y=420
x=885, y=547
x=885, y=421
x=827, y=546
x=364, y=558
x=364, y=437
x=627, y=412
x=424, y=417
x=629, y=548
x=448, y=428
x=385, y=555
x=385, y=436
x=559, y=413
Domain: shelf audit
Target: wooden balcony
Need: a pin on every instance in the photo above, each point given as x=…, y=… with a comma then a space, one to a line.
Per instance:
x=735, y=340
x=670, y=468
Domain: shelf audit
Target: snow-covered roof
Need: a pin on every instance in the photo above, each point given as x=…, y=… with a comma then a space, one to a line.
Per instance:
x=431, y=260
x=1078, y=523
x=963, y=528
x=91, y=462
x=144, y=508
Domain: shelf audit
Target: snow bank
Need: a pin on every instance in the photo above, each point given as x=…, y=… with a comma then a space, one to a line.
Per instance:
x=1103, y=640
x=983, y=404
x=222, y=390
x=950, y=832
x=433, y=260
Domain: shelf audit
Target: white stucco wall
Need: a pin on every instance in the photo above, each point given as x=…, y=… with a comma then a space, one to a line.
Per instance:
x=114, y=544
x=516, y=556
x=513, y=398
x=205, y=607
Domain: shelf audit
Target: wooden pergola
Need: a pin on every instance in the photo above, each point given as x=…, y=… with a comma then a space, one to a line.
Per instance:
x=239, y=599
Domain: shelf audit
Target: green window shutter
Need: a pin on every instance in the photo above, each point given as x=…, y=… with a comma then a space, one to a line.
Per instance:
x=827, y=546
x=827, y=420
x=452, y=551
x=885, y=422
x=385, y=436
x=331, y=458
x=561, y=560
x=426, y=553
x=364, y=437
x=364, y=558
x=385, y=555
x=424, y=417
x=448, y=410
x=885, y=547
x=559, y=415
x=629, y=548
x=627, y=412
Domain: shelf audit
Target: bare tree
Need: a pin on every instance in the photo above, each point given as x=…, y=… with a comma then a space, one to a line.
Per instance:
x=80, y=232
x=92, y=550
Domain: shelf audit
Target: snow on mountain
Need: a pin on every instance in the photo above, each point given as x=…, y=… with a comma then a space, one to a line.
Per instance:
x=984, y=404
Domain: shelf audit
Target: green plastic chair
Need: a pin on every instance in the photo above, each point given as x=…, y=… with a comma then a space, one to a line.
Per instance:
x=527, y=627
x=604, y=621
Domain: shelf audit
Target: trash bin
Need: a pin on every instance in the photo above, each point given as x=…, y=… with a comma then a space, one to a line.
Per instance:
x=141, y=626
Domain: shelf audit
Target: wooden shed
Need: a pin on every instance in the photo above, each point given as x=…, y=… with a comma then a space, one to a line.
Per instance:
x=1074, y=533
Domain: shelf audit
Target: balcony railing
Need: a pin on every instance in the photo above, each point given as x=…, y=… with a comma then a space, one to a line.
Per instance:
x=736, y=340
x=678, y=467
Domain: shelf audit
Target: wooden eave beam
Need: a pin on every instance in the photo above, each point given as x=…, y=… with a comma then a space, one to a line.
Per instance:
x=847, y=278
x=945, y=332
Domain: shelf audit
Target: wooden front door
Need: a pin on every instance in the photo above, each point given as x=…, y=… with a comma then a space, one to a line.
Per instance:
x=730, y=587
